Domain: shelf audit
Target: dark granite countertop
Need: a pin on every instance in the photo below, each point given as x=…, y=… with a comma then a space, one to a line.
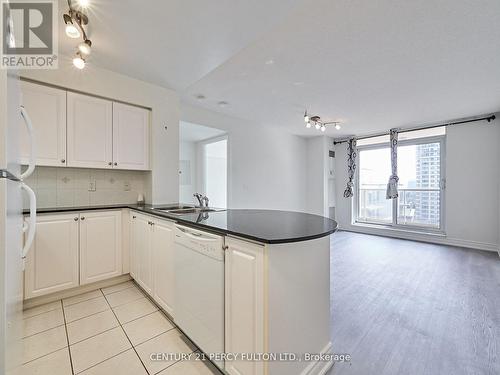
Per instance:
x=266, y=226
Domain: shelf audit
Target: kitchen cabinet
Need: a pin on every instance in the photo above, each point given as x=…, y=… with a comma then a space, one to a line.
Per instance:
x=130, y=137
x=52, y=263
x=90, y=131
x=73, y=249
x=141, y=250
x=78, y=130
x=152, y=257
x=46, y=107
x=244, y=304
x=100, y=246
x=163, y=264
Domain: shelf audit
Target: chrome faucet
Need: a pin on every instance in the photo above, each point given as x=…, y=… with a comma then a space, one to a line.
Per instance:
x=202, y=199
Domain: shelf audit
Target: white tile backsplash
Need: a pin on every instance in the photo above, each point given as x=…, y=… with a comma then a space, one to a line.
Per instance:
x=62, y=187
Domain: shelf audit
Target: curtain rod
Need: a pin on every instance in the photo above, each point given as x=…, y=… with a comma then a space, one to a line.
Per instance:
x=487, y=118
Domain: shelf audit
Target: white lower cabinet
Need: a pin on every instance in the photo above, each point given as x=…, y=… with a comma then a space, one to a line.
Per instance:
x=151, y=257
x=100, y=246
x=52, y=263
x=141, y=248
x=73, y=249
x=244, y=304
x=163, y=264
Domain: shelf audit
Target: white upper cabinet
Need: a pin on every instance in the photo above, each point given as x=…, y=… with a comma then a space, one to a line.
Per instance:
x=90, y=131
x=46, y=107
x=130, y=137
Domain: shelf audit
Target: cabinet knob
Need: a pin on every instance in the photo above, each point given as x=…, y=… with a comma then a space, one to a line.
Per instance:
x=83, y=218
x=110, y=163
x=225, y=247
x=63, y=161
x=133, y=217
x=116, y=163
x=75, y=219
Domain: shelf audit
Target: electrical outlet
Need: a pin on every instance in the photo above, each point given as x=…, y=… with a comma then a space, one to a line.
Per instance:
x=126, y=186
x=92, y=185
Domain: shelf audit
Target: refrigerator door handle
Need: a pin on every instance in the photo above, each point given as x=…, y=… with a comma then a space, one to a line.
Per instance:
x=29, y=127
x=32, y=220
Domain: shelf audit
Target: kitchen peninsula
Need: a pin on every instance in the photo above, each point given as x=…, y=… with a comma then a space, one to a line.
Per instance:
x=274, y=272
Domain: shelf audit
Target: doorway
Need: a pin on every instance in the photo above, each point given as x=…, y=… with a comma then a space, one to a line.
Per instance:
x=203, y=164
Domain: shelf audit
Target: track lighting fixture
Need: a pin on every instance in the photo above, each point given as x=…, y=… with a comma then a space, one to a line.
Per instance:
x=79, y=62
x=75, y=21
x=318, y=124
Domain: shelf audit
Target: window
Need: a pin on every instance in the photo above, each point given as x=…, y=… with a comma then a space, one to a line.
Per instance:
x=420, y=170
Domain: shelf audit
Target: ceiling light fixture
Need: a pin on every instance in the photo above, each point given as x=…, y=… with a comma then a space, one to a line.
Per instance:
x=75, y=21
x=85, y=47
x=318, y=123
x=79, y=62
x=83, y=3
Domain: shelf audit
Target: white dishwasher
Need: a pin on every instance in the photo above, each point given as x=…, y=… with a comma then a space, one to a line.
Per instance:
x=199, y=288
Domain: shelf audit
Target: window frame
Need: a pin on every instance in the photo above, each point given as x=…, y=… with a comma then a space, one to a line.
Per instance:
x=441, y=139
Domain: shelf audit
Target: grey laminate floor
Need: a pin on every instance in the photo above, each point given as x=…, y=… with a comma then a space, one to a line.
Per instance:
x=404, y=307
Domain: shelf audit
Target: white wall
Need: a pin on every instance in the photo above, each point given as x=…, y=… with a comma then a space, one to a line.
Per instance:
x=267, y=167
x=317, y=175
x=472, y=179
x=472, y=188
x=164, y=178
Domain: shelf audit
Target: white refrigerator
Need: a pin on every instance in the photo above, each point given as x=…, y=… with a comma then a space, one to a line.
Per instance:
x=16, y=234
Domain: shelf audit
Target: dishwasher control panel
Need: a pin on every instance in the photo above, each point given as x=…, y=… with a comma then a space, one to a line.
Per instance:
x=202, y=242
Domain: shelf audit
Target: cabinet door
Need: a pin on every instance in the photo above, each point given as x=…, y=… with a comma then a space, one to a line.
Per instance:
x=52, y=263
x=163, y=264
x=90, y=132
x=46, y=107
x=244, y=306
x=100, y=245
x=130, y=137
x=134, y=243
x=143, y=252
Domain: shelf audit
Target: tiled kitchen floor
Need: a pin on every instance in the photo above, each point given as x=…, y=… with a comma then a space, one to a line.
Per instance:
x=112, y=330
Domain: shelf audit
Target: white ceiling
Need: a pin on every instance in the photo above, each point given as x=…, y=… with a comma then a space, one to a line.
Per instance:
x=371, y=64
x=189, y=132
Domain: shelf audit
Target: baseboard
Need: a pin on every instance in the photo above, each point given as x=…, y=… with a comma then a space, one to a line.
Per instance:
x=319, y=367
x=37, y=301
x=429, y=238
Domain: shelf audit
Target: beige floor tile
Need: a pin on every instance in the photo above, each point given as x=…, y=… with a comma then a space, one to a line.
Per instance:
x=91, y=325
x=124, y=296
x=168, y=342
x=86, y=308
x=118, y=287
x=96, y=349
x=133, y=310
x=192, y=367
x=126, y=363
x=147, y=327
x=41, y=309
x=42, y=322
x=44, y=343
x=82, y=297
x=56, y=363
